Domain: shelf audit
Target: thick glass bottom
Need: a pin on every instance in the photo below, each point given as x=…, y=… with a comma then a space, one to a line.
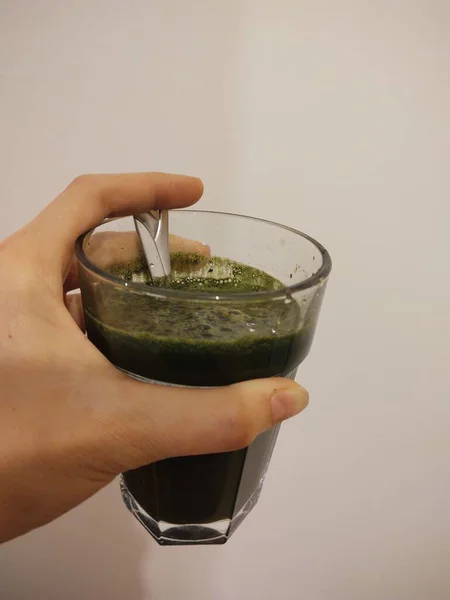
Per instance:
x=190, y=534
x=194, y=500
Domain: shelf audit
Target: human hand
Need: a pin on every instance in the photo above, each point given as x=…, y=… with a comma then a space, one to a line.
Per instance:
x=69, y=421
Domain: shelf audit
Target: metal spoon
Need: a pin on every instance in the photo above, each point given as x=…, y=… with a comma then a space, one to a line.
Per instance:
x=153, y=230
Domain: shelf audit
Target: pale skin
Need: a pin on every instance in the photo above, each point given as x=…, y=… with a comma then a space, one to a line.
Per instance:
x=69, y=421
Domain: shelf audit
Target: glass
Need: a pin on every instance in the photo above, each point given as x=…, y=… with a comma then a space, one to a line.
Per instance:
x=198, y=339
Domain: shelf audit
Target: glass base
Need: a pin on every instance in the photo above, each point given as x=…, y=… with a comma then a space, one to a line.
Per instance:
x=171, y=534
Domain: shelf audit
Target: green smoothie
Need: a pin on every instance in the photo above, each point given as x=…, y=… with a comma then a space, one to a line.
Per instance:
x=198, y=343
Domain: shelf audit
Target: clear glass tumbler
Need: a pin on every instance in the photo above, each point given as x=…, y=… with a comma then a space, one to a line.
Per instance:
x=202, y=339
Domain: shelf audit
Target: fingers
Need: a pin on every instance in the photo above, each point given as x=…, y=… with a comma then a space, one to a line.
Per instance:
x=107, y=248
x=180, y=244
x=146, y=423
x=91, y=198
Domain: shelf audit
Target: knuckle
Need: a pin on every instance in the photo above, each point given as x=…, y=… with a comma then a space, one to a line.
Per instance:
x=84, y=181
x=241, y=425
x=96, y=188
x=93, y=189
x=88, y=185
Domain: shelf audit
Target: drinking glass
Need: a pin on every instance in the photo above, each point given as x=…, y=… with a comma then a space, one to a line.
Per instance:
x=176, y=336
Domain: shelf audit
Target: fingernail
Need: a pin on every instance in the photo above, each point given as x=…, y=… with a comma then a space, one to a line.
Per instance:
x=288, y=403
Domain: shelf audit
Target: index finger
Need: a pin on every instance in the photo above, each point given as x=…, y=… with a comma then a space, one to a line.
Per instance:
x=89, y=199
x=107, y=248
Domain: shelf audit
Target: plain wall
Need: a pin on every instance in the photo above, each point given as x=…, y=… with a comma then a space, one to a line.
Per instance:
x=330, y=116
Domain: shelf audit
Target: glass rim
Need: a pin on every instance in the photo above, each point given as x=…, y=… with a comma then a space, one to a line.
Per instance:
x=144, y=288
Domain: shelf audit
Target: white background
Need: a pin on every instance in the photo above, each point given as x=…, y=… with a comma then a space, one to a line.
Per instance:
x=331, y=116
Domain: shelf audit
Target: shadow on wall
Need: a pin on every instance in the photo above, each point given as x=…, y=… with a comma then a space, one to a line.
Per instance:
x=93, y=552
x=100, y=552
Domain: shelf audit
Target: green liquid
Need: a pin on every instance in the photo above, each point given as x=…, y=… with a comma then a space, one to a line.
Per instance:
x=198, y=343
x=194, y=342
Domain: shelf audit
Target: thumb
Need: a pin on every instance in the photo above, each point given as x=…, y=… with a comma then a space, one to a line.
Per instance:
x=148, y=422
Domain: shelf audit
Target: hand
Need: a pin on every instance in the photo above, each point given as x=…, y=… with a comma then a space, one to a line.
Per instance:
x=112, y=247
x=69, y=421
